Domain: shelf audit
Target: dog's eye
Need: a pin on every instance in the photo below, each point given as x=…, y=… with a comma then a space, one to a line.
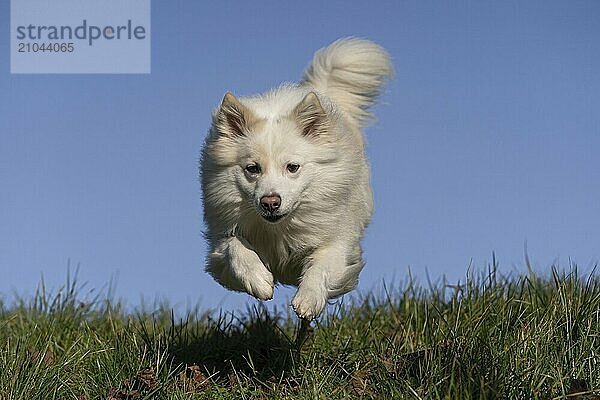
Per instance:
x=252, y=169
x=292, y=168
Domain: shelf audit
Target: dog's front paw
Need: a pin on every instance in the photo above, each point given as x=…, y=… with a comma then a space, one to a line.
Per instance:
x=259, y=283
x=255, y=278
x=308, y=303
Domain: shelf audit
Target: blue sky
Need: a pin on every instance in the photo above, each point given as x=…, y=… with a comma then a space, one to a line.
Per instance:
x=487, y=138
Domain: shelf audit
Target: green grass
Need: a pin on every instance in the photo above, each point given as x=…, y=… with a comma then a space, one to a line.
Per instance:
x=521, y=337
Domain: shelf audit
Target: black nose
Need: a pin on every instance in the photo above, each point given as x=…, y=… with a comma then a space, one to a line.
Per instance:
x=270, y=203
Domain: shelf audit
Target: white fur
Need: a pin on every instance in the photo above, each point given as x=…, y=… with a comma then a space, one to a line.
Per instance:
x=327, y=203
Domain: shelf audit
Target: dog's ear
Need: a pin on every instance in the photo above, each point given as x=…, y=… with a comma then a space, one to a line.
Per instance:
x=310, y=116
x=233, y=118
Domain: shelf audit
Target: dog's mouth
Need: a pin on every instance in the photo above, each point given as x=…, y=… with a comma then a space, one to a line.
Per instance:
x=273, y=218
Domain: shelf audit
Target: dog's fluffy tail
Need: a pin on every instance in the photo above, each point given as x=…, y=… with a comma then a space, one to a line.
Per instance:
x=350, y=72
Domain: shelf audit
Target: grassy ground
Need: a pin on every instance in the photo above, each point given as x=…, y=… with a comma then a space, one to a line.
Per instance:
x=492, y=338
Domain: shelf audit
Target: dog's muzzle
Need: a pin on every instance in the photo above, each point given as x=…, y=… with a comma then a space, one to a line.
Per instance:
x=269, y=205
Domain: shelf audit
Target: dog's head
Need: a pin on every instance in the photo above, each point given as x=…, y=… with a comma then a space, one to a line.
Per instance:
x=271, y=160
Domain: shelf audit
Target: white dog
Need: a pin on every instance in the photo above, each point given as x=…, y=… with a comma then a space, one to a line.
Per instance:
x=285, y=180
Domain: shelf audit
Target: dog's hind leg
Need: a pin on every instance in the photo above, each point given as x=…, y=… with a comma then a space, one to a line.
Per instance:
x=236, y=266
